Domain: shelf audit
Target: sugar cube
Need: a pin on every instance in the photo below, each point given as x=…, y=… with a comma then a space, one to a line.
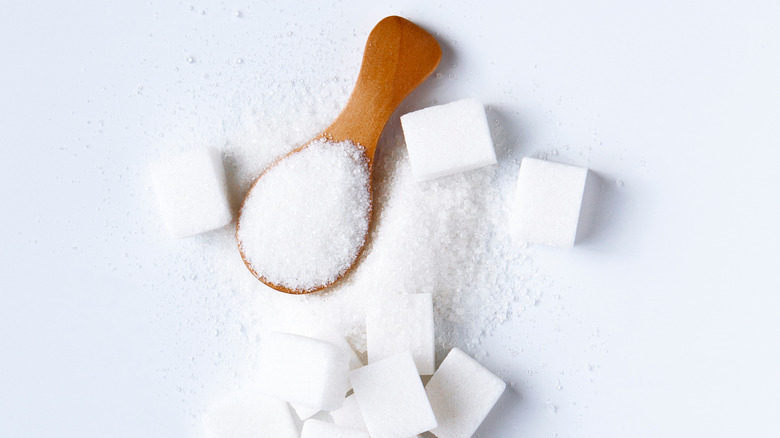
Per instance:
x=248, y=415
x=403, y=323
x=348, y=415
x=327, y=332
x=321, y=429
x=303, y=371
x=547, y=202
x=462, y=392
x=447, y=139
x=191, y=192
x=391, y=398
x=303, y=412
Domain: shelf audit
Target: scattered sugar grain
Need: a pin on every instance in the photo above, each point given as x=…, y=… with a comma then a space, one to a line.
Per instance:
x=447, y=237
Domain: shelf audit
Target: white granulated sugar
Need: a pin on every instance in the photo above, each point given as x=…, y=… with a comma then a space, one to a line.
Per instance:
x=446, y=237
x=305, y=220
x=283, y=116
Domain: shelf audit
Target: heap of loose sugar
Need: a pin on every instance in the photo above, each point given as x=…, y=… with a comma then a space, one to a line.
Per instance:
x=447, y=237
x=305, y=220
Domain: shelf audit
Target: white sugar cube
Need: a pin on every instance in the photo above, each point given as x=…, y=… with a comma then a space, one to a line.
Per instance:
x=341, y=342
x=328, y=333
x=304, y=412
x=403, y=323
x=462, y=392
x=191, y=192
x=244, y=415
x=303, y=371
x=547, y=202
x=348, y=415
x=447, y=139
x=392, y=399
x=321, y=429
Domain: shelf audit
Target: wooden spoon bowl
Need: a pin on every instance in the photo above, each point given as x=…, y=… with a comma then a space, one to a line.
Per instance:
x=398, y=57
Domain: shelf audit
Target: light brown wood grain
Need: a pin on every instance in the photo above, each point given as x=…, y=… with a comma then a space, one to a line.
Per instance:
x=399, y=56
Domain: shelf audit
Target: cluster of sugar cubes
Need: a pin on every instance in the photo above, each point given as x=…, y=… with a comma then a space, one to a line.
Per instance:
x=441, y=140
x=455, y=137
x=314, y=372
x=388, y=399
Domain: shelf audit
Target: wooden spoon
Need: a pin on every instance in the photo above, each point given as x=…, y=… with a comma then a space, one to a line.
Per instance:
x=398, y=57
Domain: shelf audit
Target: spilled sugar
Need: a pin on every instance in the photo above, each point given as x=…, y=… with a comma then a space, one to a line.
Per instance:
x=446, y=237
x=304, y=221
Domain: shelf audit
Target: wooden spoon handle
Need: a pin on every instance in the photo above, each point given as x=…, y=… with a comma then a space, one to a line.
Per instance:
x=399, y=55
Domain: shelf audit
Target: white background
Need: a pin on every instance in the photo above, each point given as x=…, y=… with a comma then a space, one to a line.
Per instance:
x=663, y=319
